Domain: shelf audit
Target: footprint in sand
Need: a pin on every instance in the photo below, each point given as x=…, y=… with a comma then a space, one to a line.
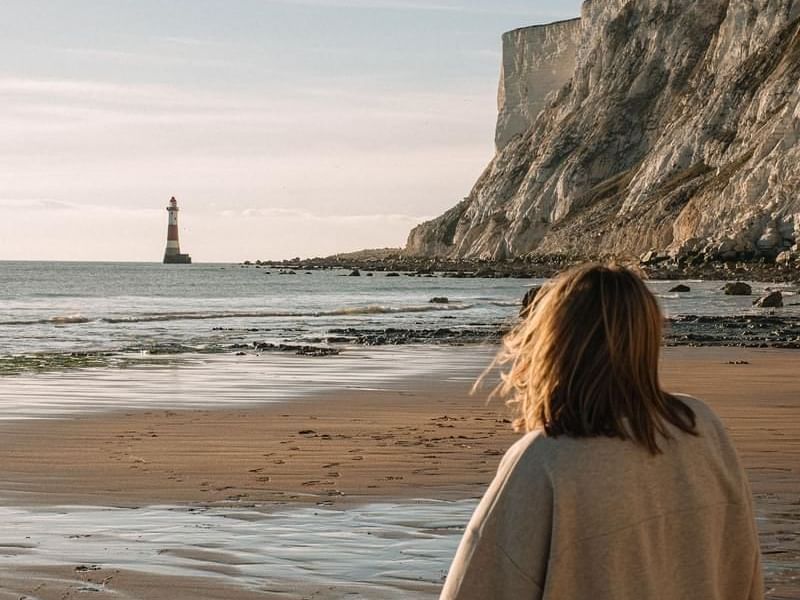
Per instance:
x=426, y=471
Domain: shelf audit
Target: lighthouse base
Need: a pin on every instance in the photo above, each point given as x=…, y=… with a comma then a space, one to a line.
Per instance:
x=177, y=259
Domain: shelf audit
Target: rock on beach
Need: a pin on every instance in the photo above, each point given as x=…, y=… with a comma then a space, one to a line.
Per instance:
x=737, y=288
x=770, y=300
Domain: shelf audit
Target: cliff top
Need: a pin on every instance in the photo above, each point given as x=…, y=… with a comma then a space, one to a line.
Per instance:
x=543, y=25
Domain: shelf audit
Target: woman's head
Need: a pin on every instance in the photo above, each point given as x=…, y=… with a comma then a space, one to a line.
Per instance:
x=584, y=361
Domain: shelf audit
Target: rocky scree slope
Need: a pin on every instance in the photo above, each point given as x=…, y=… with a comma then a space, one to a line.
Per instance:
x=678, y=130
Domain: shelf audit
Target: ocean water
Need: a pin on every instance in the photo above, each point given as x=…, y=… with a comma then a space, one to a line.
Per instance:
x=130, y=308
x=125, y=307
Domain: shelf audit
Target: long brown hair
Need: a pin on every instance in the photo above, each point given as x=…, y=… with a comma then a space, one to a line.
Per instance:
x=584, y=360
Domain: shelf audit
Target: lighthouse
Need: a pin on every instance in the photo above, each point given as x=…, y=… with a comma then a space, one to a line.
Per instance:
x=172, y=255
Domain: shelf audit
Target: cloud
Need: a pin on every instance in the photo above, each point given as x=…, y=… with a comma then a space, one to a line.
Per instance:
x=309, y=216
x=413, y=5
x=27, y=204
x=143, y=58
x=50, y=205
x=98, y=92
x=375, y=4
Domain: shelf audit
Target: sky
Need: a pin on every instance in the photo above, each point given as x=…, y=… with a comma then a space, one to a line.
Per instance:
x=283, y=127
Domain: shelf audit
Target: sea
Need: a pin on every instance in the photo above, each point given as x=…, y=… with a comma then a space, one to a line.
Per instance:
x=85, y=336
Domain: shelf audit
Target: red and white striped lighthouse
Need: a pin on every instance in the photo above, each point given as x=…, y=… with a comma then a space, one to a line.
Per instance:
x=172, y=255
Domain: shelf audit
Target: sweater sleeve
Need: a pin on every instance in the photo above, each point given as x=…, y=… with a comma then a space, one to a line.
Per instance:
x=505, y=548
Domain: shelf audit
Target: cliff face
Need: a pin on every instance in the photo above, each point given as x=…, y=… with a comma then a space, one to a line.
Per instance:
x=536, y=61
x=678, y=130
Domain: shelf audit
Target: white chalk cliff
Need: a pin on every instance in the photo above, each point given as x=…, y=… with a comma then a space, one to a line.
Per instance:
x=536, y=61
x=671, y=125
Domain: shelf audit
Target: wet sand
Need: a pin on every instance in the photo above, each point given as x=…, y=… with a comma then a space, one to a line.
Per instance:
x=431, y=440
x=62, y=583
x=340, y=449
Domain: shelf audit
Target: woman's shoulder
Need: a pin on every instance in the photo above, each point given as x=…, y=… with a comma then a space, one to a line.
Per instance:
x=706, y=418
x=528, y=457
x=534, y=444
x=542, y=458
x=710, y=430
x=695, y=404
x=536, y=450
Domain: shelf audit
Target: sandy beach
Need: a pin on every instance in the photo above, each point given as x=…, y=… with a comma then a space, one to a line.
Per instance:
x=430, y=440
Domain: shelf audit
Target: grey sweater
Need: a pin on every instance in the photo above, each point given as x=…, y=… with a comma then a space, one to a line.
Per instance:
x=602, y=518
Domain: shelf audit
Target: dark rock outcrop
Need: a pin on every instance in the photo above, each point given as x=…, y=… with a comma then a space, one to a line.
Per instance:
x=737, y=288
x=770, y=300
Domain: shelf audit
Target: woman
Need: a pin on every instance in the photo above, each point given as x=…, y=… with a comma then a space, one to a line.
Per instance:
x=618, y=490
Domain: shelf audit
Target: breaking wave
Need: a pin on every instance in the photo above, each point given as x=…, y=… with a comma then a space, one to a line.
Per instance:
x=337, y=312
x=192, y=316
x=58, y=320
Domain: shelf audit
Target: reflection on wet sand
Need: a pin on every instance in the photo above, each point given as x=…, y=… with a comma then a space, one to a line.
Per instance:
x=376, y=550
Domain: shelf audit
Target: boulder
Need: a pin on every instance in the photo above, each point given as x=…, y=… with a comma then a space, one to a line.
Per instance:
x=737, y=288
x=355, y=273
x=770, y=300
x=528, y=299
x=681, y=289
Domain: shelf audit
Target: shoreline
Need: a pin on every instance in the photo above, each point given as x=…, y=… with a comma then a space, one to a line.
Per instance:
x=656, y=266
x=768, y=330
x=348, y=449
